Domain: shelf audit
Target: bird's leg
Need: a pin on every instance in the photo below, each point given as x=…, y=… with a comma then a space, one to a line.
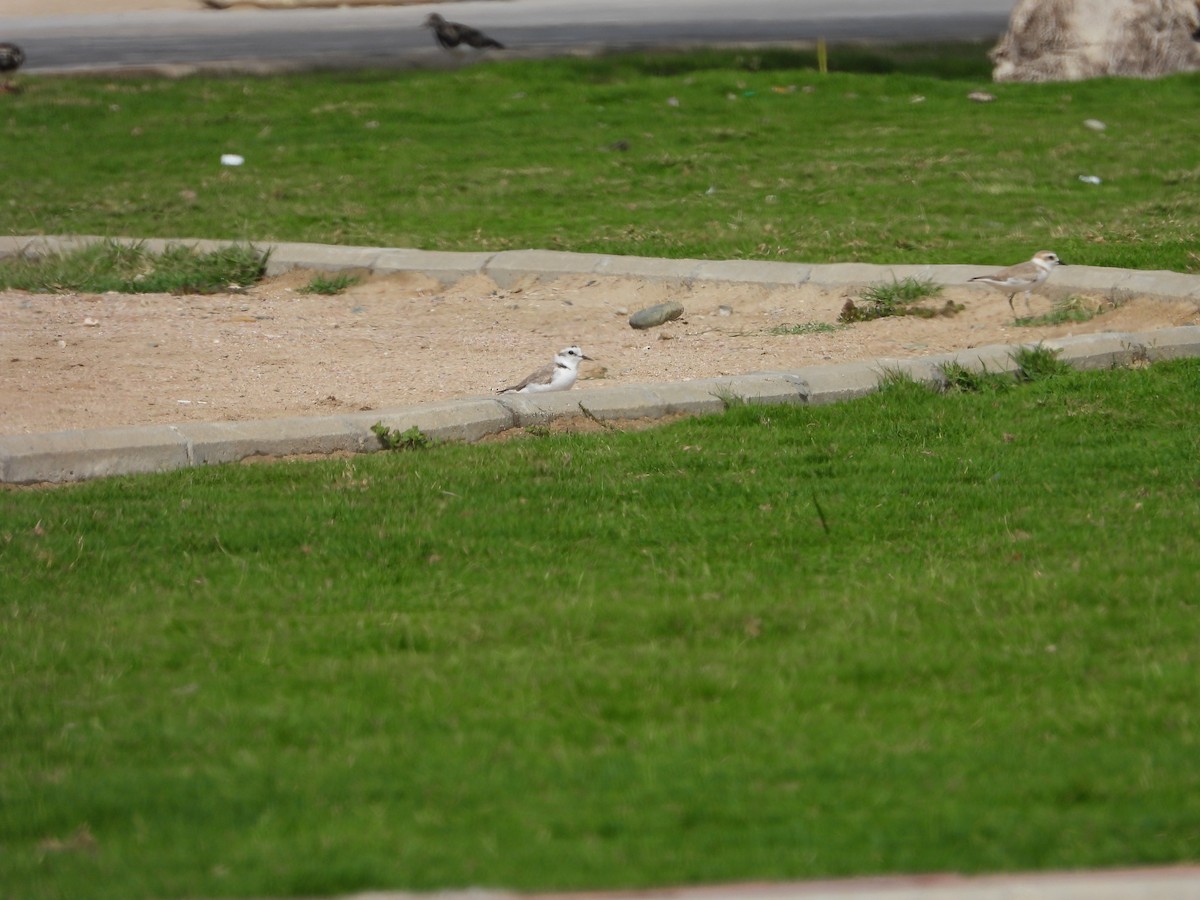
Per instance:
x=1010, y=303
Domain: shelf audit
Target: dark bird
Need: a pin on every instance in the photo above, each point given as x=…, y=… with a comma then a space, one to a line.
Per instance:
x=451, y=34
x=11, y=58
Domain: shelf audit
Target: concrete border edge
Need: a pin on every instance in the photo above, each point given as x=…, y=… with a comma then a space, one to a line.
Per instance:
x=510, y=266
x=59, y=457
x=67, y=456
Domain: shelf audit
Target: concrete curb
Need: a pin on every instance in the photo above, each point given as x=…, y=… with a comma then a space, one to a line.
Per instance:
x=1158, y=883
x=508, y=267
x=67, y=456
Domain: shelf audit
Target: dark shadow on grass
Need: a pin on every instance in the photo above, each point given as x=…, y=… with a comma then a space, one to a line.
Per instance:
x=957, y=60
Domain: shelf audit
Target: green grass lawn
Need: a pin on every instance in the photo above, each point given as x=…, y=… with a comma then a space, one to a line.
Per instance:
x=914, y=632
x=909, y=633
x=710, y=155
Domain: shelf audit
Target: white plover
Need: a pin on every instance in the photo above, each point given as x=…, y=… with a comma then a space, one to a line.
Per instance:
x=1026, y=276
x=558, y=375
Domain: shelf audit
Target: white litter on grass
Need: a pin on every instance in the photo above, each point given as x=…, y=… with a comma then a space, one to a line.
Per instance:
x=1090, y=179
x=231, y=159
x=1094, y=124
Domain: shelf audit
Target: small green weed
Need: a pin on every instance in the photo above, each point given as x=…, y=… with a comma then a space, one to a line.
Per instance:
x=1070, y=309
x=331, y=284
x=892, y=379
x=130, y=268
x=1038, y=363
x=804, y=328
x=729, y=400
x=900, y=385
x=901, y=292
x=959, y=379
x=897, y=299
x=395, y=439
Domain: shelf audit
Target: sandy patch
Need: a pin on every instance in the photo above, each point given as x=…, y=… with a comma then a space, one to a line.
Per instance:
x=91, y=361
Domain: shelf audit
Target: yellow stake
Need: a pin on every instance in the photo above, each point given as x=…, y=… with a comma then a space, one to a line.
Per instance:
x=822, y=57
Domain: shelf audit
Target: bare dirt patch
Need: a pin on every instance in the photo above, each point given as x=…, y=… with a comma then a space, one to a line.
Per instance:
x=91, y=361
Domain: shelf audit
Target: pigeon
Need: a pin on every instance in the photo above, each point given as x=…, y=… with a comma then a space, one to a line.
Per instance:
x=558, y=375
x=451, y=34
x=11, y=58
x=1024, y=276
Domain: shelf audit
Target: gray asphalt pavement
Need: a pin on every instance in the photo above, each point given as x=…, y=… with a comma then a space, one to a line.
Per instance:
x=393, y=36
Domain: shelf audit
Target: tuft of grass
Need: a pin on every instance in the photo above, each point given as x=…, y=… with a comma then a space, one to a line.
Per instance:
x=960, y=379
x=900, y=634
x=111, y=265
x=729, y=399
x=897, y=298
x=803, y=328
x=897, y=379
x=900, y=293
x=395, y=439
x=1038, y=363
x=331, y=284
x=1075, y=308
